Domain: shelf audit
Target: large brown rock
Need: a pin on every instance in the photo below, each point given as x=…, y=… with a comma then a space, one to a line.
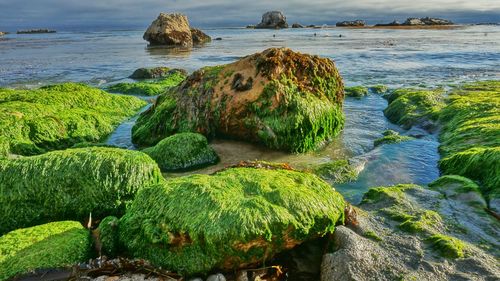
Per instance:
x=169, y=29
x=279, y=98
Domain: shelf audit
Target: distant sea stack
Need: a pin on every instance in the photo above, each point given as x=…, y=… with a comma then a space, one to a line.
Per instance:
x=174, y=30
x=273, y=20
x=351, y=23
x=32, y=31
x=427, y=21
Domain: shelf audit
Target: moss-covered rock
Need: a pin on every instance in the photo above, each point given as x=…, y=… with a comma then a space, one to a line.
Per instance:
x=338, y=171
x=155, y=72
x=379, y=89
x=459, y=188
x=356, y=91
x=470, y=138
x=150, y=87
x=59, y=116
x=70, y=184
x=48, y=246
x=280, y=98
x=391, y=136
x=409, y=107
x=232, y=219
x=183, y=151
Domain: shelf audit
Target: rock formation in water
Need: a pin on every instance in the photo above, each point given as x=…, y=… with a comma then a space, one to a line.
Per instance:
x=427, y=21
x=351, y=23
x=174, y=30
x=273, y=20
x=279, y=98
x=30, y=31
x=297, y=25
x=2, y=33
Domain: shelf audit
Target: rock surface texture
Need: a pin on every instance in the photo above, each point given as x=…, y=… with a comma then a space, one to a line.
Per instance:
x=273, y=20
x=279, y=98
x=351, y=23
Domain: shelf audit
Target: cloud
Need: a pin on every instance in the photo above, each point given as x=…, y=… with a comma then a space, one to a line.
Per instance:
x=132, y=13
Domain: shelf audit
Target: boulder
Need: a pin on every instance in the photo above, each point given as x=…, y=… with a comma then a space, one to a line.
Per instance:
x=279, y=98
x=297, y=25
x=356, y=91
x=183, y=151
x=169, y=29
x=199, y=37
x=71, y=184
x=413, y=21
x=351, y=23
x=235, y=218
x=2, y=33
x=49, y=246
x=273, y=20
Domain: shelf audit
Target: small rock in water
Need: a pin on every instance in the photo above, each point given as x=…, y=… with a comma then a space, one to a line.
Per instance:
x=216, y=277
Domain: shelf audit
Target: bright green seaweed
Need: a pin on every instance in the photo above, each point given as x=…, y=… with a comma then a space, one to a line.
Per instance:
x=150, y=87
x=70, y=184
x=48, y=246
x=237, y=216
x=59, y=116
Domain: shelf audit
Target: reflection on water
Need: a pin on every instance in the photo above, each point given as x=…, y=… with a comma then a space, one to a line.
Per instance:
x=166, y=52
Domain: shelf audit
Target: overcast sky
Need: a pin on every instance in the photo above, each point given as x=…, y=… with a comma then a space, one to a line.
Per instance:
x=15, y=14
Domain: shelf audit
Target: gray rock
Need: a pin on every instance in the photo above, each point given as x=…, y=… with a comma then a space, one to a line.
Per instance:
x=413, y=21
x=31, y=31
x=169, y=29
x=351, y=23
x=273, y=20
x=436, y=21
x=216, y=277
x=297, y=25
x=394, y=23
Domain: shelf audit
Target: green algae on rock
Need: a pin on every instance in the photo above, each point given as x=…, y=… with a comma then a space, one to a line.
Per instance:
x=231, y=219
x=356, y=91
x=448, y=246
x=409, y=107
x=108, y=236
x=154, y=72
x=470, y=138
x=391, y=136
x=70, y=184
x=379, y=89
x=59, y=116
x=338, y=171
x=48, y=246
x=279, y=98
x=183, y=151
x=150, y=87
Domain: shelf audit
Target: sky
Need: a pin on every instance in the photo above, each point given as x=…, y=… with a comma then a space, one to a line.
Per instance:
x=116, y=14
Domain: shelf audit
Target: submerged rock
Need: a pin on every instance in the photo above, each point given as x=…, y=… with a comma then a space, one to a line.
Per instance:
x=229, y=220
x=280, y=98
x=273, y=20
x=297, y=25
x=169, y=29
x=149, y=88
x=356, y=91
x=357, y=23
x=52, y=245
x=59, y=116
x=391, y=136
x=338, y=171
x=183, y=151
x=199, y=37
x=71, y=184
